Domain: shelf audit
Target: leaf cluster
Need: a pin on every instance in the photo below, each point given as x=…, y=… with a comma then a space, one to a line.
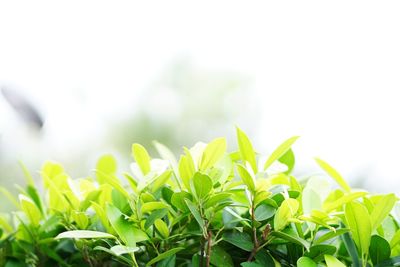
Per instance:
x=209, y=207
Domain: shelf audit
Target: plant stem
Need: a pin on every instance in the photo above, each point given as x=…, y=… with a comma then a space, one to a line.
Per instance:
x=208, y=253
x=202, y=249
x=255, y=239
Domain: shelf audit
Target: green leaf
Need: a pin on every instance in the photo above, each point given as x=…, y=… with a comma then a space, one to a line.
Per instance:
x=317, y=252
x=164, y=255
x=330, y=235
x=168, y=262
x=157, y=214
x=359, y=222
x=30, y=209
x=162, y=228
x=289, y=160
x=141, y=157
x=128, y=233
x=330, y=206
x=382, y=210
x=351, y=248
x=166, y=154
x=77, y=234
x=202, y=185
x=247, y=179
x=178, y=200
x=379, y=249
x=285, y=212
x=333, y=262
x=292, y=239
x=217, y=198
x=333, y=173
x=151, y=206
x=186, y=170
x=161, y=180
x=394, y=261
x=246, y=149
x=264, y=212
x=212, y=153
x=119, y=250
x=251, y=264
x=306, y=262
x=106, y=165
x=195, y=212
x=280, y=151
x=220, y=257
x=240, y=240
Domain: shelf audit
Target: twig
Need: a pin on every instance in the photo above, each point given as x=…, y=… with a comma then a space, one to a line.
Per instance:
x=209, y=241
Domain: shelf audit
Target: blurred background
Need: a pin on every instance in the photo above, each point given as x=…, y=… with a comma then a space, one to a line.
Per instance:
x=82, y=78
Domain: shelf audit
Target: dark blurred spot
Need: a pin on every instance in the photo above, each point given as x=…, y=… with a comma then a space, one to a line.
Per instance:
x=23, y=107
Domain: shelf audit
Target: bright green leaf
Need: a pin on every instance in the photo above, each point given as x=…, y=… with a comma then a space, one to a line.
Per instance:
x=141, y=157
x=246, y=149
x=212, y=153
x=359, y=222
x=280, y=151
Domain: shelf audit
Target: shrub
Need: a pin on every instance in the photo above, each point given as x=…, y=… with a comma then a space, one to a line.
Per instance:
x=210, y=208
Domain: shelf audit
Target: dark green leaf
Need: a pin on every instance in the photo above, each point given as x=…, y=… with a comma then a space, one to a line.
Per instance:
x=379, y=249
x=240, y=240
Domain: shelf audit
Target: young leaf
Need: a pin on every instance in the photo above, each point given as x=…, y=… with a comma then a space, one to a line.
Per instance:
x=77, y=234
x=141, y=157
x=280, y=151
x=212, y=153
x=246, y=149
x=382, y=209
x=186, y=170
x=106, y=165
x=333, y=262
x=306, y=262
x=359, y=222
x=379, y=249
x=286, y=211
x=247, y=179
x=334, y=174
x=162, y=228
x=129, y=234
x=30, y=210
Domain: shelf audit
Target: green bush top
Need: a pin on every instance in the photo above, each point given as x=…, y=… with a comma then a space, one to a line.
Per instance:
x=209, y=208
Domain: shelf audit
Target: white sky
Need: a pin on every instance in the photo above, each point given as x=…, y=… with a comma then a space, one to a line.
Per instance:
x=328, y=71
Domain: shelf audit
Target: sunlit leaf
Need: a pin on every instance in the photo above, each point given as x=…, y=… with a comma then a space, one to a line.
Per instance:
x=280, y=151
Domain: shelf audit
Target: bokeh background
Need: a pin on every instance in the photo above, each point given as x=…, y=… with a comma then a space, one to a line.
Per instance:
x=102, y=75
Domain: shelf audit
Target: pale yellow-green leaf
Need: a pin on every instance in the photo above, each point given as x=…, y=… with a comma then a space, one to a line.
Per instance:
x=285, y=212
x=162, y=228
x=212, y=153
x=142, y=158
x=359, y=222
x=280, y=151
x=333, y=262
x=247, y=178
x=338, y=203
x=382, y=209
x=81, y=219
x=150, y=206
x=246, y=149
x=186, y=170
x=30, y=209
x=333, y=173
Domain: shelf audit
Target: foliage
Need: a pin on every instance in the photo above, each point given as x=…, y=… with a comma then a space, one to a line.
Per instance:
x=209, y=208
